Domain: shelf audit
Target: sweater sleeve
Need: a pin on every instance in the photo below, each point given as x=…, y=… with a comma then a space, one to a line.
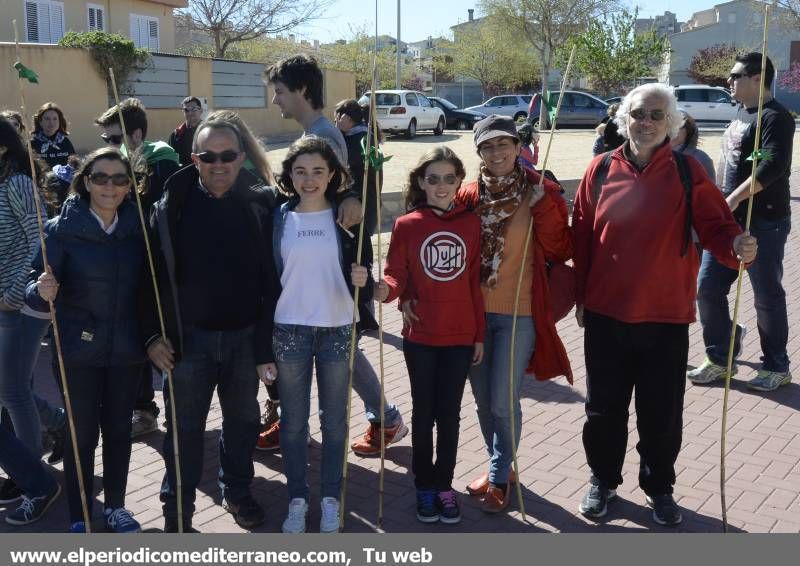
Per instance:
x=475, y=284
x=777, y=133
x=712, y=218
x=396, y=270
x=55, y=259
x=552, y=228
x=583, y=228
x=23, y=208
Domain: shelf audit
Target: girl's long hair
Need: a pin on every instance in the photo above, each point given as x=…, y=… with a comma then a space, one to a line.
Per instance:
x=412, y=192
x=309, y=145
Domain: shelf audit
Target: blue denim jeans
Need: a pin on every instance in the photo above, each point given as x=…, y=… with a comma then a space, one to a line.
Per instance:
x=20, y=341
x=296, y=348
x=24, y=467
x=714, y=284
x=367, y=386
x=490, y=385
x=225, y=360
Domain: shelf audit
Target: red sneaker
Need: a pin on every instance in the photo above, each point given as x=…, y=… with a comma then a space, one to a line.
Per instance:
x=370, y=443
x=269, y=440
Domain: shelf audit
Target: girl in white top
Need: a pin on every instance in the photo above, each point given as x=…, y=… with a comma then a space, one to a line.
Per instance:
x=317, y=265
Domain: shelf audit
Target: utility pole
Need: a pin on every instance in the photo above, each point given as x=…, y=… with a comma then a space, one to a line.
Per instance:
x=397, y=50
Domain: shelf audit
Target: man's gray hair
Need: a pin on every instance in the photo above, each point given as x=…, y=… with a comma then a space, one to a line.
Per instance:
x=217, y=124
x=674, y=117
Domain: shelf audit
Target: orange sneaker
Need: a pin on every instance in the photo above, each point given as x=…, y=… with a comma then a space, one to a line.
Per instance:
x=495, y=499
x=269, y=440
x=370, y=443
x=480, y=485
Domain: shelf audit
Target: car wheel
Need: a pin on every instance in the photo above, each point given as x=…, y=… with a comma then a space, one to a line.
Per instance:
x=539, y=127
x=439, y=129
x=411, y=131
x=520, y=116
x=462, y=125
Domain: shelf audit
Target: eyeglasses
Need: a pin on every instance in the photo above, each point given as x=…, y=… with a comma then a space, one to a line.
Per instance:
x=117, y=179
x=113, y=139
x=442, y=180
x=737, y=76
x=227, y=156
x=190, y=109
x=655, y=115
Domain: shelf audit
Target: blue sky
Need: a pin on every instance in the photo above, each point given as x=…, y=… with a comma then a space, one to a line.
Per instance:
x=421, y=18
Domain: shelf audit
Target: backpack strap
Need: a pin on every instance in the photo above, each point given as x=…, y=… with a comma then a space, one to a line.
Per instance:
x=686, y=180
x=600, y=176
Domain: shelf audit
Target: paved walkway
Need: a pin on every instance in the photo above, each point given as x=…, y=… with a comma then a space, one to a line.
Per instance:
x=763, y=452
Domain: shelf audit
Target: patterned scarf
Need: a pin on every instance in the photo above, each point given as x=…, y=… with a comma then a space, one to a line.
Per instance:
x=499, y=199
x=56, y=141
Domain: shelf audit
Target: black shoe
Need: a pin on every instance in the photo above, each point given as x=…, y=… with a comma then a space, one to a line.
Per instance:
x=246, y=512
x=9, y=492
x=59, y=437
x=171, y=525
x=665, y=510
x=595, y=503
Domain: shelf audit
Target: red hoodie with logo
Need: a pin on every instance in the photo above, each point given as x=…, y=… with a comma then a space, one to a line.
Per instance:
x=436, y=260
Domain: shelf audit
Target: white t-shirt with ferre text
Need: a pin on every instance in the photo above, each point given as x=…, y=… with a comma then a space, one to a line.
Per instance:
x=315, y=292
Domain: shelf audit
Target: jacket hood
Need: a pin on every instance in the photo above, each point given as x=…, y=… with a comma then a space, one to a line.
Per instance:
x=456, y=212
x=153, y=152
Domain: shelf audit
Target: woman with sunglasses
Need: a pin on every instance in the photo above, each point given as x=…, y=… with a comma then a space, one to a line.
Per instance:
x=96, y=255
x=505, y=197
x=50, y=133
x=636, y=280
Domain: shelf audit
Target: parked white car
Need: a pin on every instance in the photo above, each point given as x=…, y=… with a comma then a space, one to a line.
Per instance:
x=406, y=111
x=514, y=105
x=707, y=103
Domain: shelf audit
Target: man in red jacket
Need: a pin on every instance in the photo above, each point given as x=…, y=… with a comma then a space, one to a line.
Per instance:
x=636, y=277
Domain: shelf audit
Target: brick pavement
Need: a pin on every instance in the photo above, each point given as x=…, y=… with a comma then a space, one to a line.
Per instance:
x=763, y=459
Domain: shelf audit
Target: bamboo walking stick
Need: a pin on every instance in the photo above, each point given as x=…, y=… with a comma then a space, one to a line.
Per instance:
x=56, y=334
x=519, y=286
x=731, y=344
x=151, y=265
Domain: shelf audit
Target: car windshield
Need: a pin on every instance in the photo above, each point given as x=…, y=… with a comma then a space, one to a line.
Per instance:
x=382, y=99
x=526, y=98
x=447, y=104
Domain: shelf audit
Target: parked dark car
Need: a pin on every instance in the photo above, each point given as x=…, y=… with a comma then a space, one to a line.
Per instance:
x=456, y=118
x=577, y=109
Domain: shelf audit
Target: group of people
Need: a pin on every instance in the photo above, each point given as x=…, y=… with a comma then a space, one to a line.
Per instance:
x=275, y=298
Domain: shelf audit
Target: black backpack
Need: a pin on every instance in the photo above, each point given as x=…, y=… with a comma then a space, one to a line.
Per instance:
x=686, y=180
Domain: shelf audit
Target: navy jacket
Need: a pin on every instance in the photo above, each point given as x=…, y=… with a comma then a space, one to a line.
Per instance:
x=99, y=277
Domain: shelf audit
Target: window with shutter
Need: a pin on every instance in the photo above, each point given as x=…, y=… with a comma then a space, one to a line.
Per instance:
x=44, y=21
x=96, y=17
x=144, y=32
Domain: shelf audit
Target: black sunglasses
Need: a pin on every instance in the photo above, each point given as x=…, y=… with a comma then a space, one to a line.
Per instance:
x=655, y=115
x=189, y=109
x=227, y=156
x=117, y=179
x=115, y=139
x=737, y=76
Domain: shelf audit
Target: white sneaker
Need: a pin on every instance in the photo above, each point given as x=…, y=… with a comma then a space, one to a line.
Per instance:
x=295, y=522
x=329, y=520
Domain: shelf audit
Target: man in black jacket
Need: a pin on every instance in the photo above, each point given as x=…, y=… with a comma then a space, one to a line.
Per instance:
x=218, y=286
x=181, y=137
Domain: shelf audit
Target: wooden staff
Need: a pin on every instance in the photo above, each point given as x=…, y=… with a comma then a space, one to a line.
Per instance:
x=751, y=192
x=539, y=186
x=353, y=331
x=151, y=264
x=56, y=334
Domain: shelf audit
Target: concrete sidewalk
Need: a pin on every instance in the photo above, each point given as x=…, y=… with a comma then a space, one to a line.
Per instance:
x=763, y=459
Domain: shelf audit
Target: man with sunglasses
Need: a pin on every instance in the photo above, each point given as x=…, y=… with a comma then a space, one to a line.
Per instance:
x=181, y=137
x=162, y=161
x=635, y=269
x=211, y=233
x=770, y=224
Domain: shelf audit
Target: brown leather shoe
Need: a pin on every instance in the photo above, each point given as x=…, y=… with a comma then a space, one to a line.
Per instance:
x=480, y=485
x=495, y=500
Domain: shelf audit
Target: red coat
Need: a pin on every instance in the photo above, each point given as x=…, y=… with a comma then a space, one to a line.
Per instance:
x=551, y=241
x=439, y=257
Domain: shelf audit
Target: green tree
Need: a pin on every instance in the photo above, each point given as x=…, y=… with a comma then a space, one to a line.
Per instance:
x=612, y=55
x=712, y=65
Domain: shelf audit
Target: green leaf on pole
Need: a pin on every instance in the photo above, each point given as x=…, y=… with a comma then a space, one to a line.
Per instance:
x=760, y=155
x=26, y=73
x=550, y=101
x=374, y=155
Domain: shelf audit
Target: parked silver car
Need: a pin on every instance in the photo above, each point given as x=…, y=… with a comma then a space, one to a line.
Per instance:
x=514, y=105
x=707, y=103
x=406, y=111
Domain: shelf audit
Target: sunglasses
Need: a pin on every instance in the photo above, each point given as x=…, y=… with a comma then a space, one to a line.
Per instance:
x=737, y=76
x=441, y=180
x=191, y=109
x=114, y=139
x=117, y=179
x=655, y=115
x=227, y=156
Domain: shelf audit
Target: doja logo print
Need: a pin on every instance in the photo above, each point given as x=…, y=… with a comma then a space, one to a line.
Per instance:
x=443, y=256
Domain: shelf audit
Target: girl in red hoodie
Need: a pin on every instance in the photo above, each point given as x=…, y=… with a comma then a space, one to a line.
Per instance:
x=434, y=259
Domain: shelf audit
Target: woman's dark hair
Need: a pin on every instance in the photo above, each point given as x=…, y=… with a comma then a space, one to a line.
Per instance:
x=16, y=159
x=47, y=106
x=358, y=114
x=310, y=145
x=692, y=132
x=78, y=185
x=16, y=116
x=413, y=193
